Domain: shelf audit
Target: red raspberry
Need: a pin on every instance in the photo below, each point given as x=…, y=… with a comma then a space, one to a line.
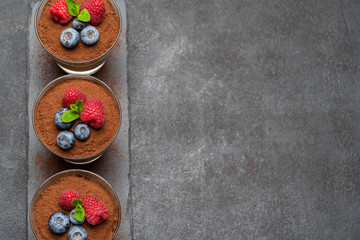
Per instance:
x=71, y=95
x=59, y=12
x=66, y=198
x=96, y=9
x=93, y=113
x=95, y=211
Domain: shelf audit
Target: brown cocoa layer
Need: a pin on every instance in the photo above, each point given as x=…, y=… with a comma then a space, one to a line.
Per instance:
x=47, y=204
x=51, y=102
x=49, y=33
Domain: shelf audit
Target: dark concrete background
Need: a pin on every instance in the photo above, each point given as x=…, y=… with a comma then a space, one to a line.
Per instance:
x=244, y=119
x=13, y=118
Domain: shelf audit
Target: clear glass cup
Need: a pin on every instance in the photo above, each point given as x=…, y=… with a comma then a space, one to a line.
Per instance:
x=87, y=67
x=81, y=172
x=91, y=158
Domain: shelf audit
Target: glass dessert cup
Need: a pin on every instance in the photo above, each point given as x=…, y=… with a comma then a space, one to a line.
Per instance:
x=72, y=67
x=98, y=154
x=80, y=172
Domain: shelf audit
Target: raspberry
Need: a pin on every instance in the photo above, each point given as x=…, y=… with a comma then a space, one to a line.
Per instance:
x=96, y=9
x=59, y=12
x=93, y=113
x=95, y=211
x=66, y=198
x=71, y=95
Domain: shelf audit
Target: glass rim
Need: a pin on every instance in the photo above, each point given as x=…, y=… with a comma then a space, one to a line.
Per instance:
x=82, y=172
x=75, y=77
x=37, y=12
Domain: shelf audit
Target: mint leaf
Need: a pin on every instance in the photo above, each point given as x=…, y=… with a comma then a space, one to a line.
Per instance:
x=73, y=7
x=69, y=116
x=79, y=105
x=73, y=107
x=76, y=202
x=79, y=213
x=73, y=113
x=84, y=15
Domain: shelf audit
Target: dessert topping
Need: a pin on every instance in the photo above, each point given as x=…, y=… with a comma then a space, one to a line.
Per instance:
x=89, y=35
x=78, y=25
x=96, y=9
x=73, y=7
x=73, y=113
x=84, y=16
x=69, y=38
x=93, y=113
x=82, y=131
x=73, y=220
x=59, y=123
x=59, y=12
x=59, y=222
x=71, y=95
x=95, y=211
x=65, y=140
x=66, y=198
x=77, y=233
x=79, y=211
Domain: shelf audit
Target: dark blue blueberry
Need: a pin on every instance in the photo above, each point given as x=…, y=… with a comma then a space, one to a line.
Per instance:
x=82, y=131
x=78, y=25
x=69, y=38
x=59, y=222
x=60, y=124
x=77, y=233
x=66, y=140
x=73, y=219
x=89, y=35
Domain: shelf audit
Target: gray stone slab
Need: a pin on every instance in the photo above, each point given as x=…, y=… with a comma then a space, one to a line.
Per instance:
x=13, y=118
x=245, y=119
x=114, y=164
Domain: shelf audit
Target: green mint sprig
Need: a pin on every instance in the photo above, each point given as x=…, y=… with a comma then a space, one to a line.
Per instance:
x=74, y=10
x=73, y=113
x=84, y=15
x=79, y=210
x=73, y=7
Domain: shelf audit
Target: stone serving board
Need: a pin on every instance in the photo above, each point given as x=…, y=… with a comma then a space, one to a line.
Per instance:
x=114, y=164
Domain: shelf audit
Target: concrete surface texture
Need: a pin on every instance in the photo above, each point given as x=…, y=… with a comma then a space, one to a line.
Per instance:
x=13, y=118
x=244, y=119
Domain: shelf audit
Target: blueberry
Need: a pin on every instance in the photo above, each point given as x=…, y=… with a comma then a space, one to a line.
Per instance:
x=59, y=222
x=73, y=219
x=89, y=35
x=69, y=38
x=60, y=124
x=66, y=140
x=77, y=233
x=82, y=131
x=78, y=25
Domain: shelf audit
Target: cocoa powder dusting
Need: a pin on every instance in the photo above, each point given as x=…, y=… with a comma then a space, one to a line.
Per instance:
x=49, y=33
x=47, y=204
x=51, y=102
